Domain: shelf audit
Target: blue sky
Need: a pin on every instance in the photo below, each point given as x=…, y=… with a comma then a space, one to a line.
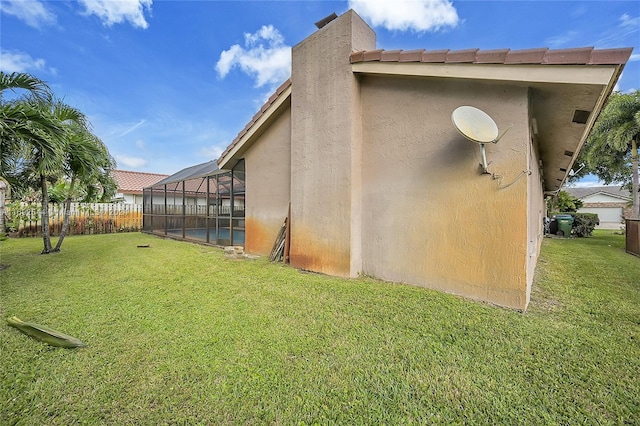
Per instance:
x=169, y=84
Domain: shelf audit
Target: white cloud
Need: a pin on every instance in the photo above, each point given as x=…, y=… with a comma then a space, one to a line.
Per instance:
x=403, y=15
x=211, y=152
x=562, y=39
x=130, y=161
x=116, y=12
x=32, y=12
x=629, y=22
x=21, y=62
x=265, y=57
x=634, y=57
x=132, y=128
x=619, y=35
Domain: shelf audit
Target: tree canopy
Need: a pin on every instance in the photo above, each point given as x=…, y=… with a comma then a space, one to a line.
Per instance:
x=43, y=141
x=564, y=202
x=611, y=151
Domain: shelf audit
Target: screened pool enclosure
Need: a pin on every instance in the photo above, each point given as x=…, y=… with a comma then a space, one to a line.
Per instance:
x=200, y=203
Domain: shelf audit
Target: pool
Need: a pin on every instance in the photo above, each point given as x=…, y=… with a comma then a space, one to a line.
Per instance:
x=201, y=234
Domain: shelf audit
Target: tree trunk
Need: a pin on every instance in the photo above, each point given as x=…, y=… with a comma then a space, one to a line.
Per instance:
x=634, y=185
x=46, y=238
x=65, y=221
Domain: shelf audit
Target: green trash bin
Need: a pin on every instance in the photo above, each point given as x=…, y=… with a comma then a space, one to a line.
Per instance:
x=565, y=223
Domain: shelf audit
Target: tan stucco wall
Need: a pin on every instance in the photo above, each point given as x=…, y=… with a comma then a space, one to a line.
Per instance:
x=268, y=184
x=325, y=148
x=429, y=217
x=536, y=212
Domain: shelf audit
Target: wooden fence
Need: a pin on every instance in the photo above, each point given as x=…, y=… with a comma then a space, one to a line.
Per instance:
x=25, y=220
x=633, y=236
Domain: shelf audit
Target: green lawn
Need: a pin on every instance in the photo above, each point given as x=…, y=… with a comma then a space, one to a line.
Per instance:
x=179, y=334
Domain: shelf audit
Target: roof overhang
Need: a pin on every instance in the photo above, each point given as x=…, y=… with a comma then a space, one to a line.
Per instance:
x=556, y=93
x=608, y=194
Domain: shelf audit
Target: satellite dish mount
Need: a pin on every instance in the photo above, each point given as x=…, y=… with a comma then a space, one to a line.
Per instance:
x=477, y=126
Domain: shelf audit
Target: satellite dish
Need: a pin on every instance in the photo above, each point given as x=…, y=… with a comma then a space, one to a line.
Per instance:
x=477, y=126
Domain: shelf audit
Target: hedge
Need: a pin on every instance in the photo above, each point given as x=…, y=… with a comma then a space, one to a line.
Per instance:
x=583, y=223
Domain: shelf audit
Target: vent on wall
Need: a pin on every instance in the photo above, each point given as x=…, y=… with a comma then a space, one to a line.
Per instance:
x=580, y=116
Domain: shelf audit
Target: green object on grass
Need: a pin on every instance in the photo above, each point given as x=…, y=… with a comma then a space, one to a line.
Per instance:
x=44, y=334
x=565, y=223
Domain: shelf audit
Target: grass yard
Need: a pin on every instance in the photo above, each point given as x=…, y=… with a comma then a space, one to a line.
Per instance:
x=179, y=334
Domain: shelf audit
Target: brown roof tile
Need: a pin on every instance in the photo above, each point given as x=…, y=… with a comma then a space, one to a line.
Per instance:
x=526, y=56
x=357, y=56
x=546, y=56
x=568, y=56
x=372, y=55
x=411, y=55
x=435, y=55
x=491, y=56
x=610, y=56
x=457, y=56
x=390, y=55
x=133, y=182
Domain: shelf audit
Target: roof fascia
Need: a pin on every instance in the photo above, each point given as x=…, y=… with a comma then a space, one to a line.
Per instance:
x=609, y=194
x=535, y=73
x=616, y=70
x=247, y=138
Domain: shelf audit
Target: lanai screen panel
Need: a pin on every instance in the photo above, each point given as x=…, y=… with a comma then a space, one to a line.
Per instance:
x=201, y=204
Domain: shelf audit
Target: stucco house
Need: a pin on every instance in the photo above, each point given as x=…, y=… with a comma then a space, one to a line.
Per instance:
x=610, y=203
x=359, y=146
x=131, y=184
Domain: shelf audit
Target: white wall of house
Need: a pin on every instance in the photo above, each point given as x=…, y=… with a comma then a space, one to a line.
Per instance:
x=610, y=209
x=601, y=198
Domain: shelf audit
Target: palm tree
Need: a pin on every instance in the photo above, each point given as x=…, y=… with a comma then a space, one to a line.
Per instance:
x=48, y=164
x=20, y=121
x=87, y=162
x=614, y=142
x=43, y=139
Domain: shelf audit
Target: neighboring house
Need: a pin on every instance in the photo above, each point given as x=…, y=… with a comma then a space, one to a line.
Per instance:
x=130, y=184
x=610, y=203
x=360, y=144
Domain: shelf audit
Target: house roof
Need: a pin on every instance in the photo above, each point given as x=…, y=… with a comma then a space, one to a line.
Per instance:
x=614, y=191
x=546, y=56
x=566, y=87
x=133, y=182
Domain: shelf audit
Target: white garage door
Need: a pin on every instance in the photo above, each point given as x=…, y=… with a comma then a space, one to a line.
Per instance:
x=610, y=217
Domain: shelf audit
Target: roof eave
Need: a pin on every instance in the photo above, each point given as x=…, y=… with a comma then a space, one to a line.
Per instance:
x=246, y=138
x=620, y=197
x=604, y=76
x=602, y=100
x=517, y=73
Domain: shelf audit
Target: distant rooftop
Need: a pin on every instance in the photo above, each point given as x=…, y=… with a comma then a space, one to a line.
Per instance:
x=133, y=182
x=615, y=191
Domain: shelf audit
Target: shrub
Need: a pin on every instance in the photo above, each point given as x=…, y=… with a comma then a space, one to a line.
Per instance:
x=584, y=224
